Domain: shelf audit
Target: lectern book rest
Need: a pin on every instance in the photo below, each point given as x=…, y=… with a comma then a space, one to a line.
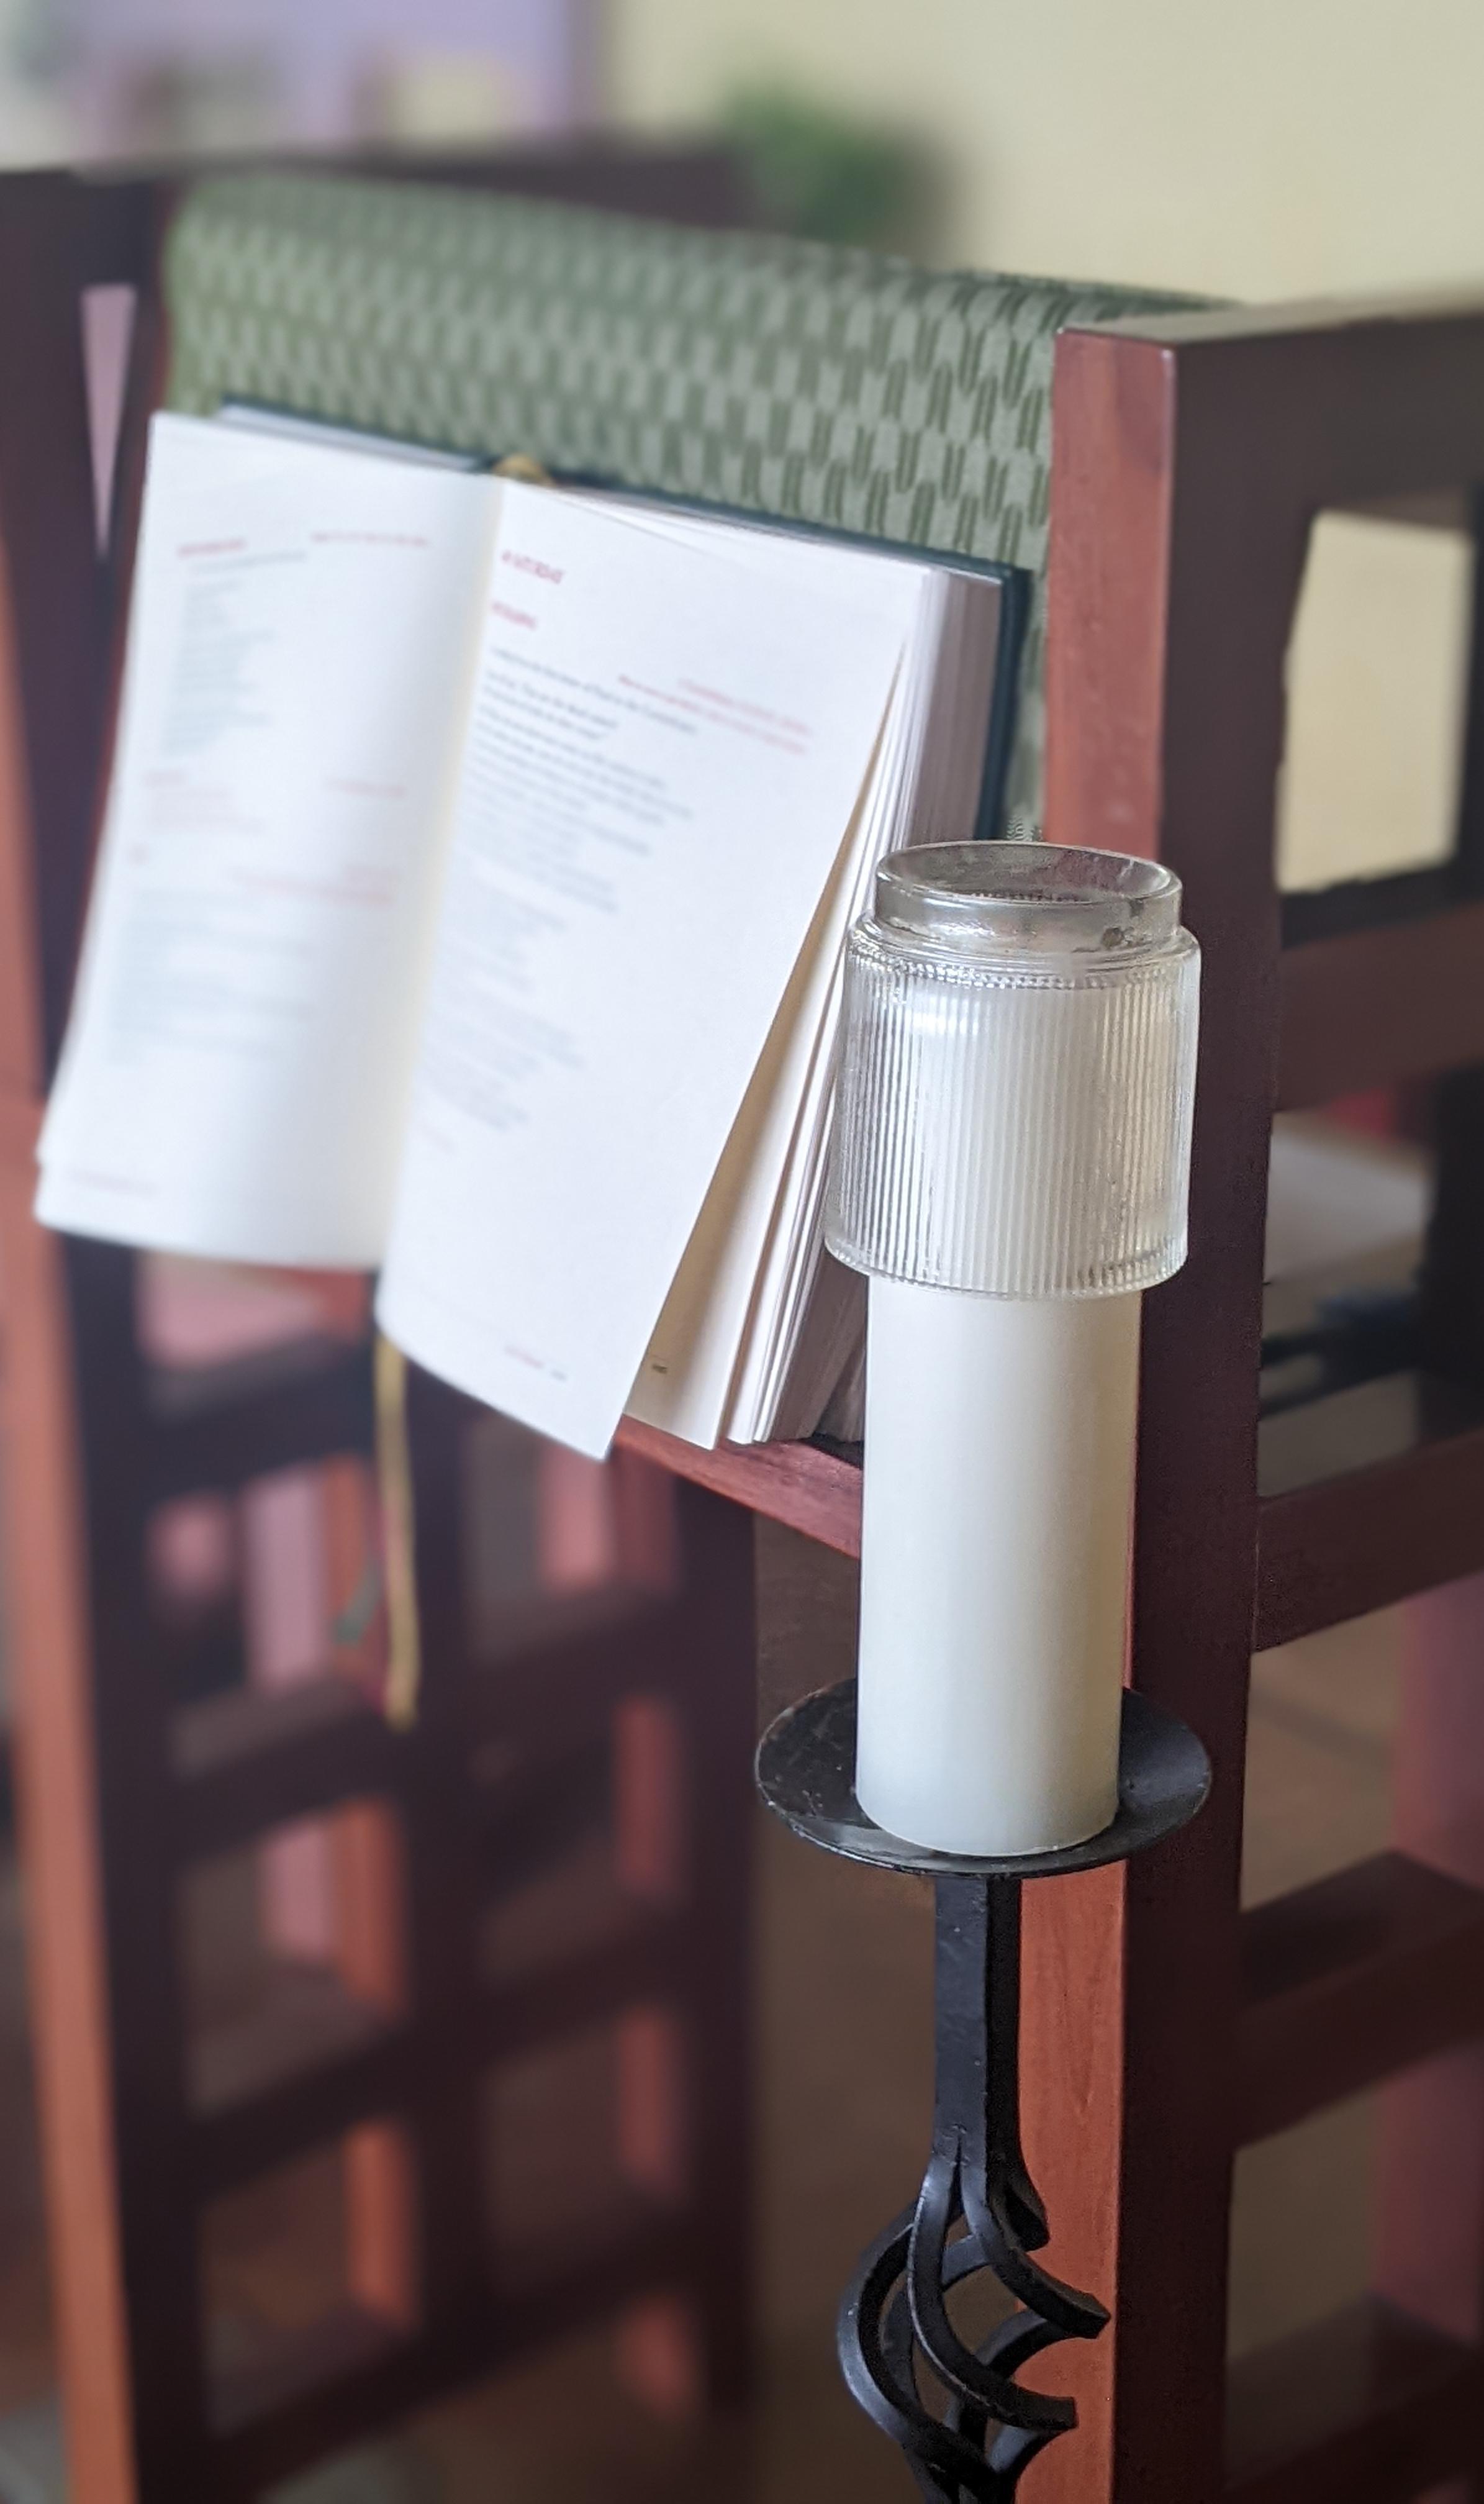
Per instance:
x=474, y=881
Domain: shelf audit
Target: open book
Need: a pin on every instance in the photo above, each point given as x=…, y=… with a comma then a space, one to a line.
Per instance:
x=473, y=887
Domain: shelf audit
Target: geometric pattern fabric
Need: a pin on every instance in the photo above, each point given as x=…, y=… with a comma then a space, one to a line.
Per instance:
x=792, y=378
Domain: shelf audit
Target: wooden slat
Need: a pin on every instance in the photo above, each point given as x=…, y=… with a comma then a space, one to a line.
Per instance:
x=562, y=1660
x=544, y=1810
x=1174, y=561
x=242, y=2141
x=708, y=1855
x=61, y=593
x=220, y=1426
x=1377, y=1006
x=1328, y=1551
x=234, y=1388
x=304, y=2021
x=325, y=2397
x=812, y=1492
x=1428, y=2251
x=1348, y=1981
x=1368, y=2407
x=1354, y=904
x=642, y=1963
x=1375, y=1535
x=200, y=1652
x=337, y=2348
x=47, y=1665
x=550, y=1624
x=249, y=1761
x=388, y=2074
x=1360, y=1425
x=354, y=2376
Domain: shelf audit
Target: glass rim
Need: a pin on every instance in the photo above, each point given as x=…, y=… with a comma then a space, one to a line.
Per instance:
x=1031, y=898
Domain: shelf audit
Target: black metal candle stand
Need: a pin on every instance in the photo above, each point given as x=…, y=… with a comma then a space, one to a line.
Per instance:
x=978, y=2209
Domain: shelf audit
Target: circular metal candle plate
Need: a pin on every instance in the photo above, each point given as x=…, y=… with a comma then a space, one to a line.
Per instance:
x=806, y=1771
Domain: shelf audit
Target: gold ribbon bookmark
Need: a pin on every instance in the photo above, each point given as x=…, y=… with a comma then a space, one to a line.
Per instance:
x=393, y=1479
x=520, y=465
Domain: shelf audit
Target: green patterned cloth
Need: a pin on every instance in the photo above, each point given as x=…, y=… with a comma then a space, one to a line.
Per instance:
x=793, y=379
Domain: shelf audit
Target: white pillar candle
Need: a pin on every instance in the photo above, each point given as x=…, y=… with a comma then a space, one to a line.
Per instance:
x=1009, y=1168
x=994, y=1564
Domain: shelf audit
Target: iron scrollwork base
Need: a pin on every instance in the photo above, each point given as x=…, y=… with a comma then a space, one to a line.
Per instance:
x=895, y=2311
x=977, y=2215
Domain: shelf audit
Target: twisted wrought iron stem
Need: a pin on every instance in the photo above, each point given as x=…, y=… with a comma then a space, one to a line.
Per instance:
x=895, y=2314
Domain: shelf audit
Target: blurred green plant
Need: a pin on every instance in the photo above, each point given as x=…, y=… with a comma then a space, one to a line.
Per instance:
x=818, y=172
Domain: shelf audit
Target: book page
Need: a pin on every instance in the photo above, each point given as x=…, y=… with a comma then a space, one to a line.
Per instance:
x=665, y=753
x=301, y=642
x=729, y=1333
x=932, y=795
x=686, y=1382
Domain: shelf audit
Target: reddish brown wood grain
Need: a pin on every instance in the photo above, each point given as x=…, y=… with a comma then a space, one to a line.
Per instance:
x=1378, y=1007
x=1375, y=1535
x=1351, y=1980
x=369, y=1879
x=1170, y=596
x=1227, y=560
x=1190, y=457
x=1366, y=2408
x=1430, y=2241
x=812, y=1492
x=1108, y=592
x=48, y=1648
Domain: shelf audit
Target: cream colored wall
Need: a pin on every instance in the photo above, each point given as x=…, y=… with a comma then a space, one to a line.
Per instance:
x=1273, y=147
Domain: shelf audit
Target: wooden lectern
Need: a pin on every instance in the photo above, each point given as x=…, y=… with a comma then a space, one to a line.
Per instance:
x=1162, y=2029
